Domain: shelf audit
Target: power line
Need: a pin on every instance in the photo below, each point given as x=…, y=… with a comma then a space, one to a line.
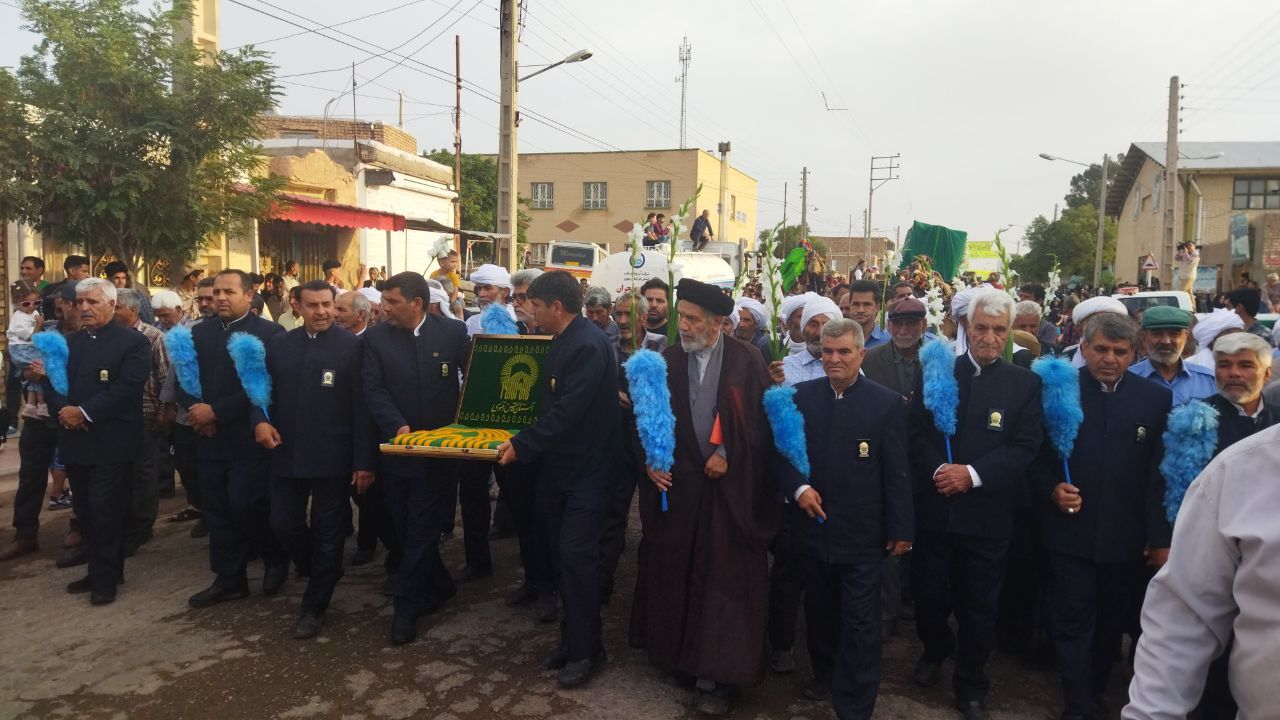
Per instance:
x=329, y=27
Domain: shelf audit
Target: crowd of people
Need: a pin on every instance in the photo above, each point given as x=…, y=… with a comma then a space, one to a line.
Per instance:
x=935, y=489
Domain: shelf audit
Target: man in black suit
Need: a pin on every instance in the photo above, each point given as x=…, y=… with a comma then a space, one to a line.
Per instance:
x=234, y=472
x=101, y=421
x=411, y=367
x=1100, y=526
x=964, y=503
x=319, y=445
x=854, y=508
x=578, y=440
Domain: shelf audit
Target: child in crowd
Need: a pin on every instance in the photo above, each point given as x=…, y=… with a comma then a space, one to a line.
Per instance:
x=23, y=323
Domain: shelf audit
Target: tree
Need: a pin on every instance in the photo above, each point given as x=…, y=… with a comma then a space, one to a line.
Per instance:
x=132, y=144
x=789, y=237
x=1072, y=241
x=478, y=196
x=1084, y=186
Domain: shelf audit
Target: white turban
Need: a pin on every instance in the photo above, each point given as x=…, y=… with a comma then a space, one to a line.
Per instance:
x=1209, y=327
x=489, y=274
x=756, y=309
x=821, y=306
x=371, y=294
x=1095, y=305
x=441, y=298
x=734, y=319
x=791, y=303
x=960, y=309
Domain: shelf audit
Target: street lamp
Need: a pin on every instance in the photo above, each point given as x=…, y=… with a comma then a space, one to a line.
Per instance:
x=1102, y=215
x=579, y=56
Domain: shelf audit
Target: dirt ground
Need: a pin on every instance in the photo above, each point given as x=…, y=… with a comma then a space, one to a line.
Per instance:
x=150, y=656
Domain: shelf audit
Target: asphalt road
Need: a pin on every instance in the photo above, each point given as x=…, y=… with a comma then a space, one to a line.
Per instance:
x=150, y=656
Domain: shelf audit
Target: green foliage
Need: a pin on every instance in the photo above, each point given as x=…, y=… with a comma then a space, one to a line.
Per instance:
x=789, y=237
x=479, y=198
x=1085, y=185
x=1071, y=241
x=130, y=143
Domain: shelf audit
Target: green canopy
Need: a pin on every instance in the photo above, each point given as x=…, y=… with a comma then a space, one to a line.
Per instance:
x=943, y=245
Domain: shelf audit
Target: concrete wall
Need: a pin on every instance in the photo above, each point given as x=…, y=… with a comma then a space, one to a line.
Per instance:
x=285, y=126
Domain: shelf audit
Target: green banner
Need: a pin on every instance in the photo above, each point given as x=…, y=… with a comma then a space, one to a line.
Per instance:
x=503, y=386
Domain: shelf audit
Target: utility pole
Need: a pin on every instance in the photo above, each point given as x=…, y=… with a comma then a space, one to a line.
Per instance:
x=508, y=123
x=883, y=169
x=804, y=203
x=1170, y=185
x=685, y=57
x=784, y=205
x=1102, y=224
x=355, y=117
x=457, y=137
x=725, y=147
x=400, y=124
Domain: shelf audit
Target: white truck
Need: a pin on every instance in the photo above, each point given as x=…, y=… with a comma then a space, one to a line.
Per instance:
x=619, y=274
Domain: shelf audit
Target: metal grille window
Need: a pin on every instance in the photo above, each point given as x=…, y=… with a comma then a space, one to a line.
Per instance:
x=1256, y=194
x=595, y=195
x=544, y=195
x=657, y=194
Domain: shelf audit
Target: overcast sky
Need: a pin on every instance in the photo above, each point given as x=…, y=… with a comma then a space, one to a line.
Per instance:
x=968, y=92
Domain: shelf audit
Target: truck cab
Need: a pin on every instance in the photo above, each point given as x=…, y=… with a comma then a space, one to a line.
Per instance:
x=577, y=258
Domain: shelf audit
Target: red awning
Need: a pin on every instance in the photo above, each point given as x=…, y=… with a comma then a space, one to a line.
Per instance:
x=310, y=210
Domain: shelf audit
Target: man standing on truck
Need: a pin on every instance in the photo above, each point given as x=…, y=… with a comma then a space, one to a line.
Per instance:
x=701, y=232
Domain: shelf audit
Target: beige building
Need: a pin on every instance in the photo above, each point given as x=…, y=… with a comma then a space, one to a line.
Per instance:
x=597, y=196
x=843, y=253
x=1228, y=202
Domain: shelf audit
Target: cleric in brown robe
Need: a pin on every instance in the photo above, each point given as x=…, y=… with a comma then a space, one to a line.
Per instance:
x=703, y=577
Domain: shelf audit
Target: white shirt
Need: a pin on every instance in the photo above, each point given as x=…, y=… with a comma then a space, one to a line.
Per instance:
x=1253, y=415
x=801, y=367
x=22, y=325
x=973, y=474
x=418, y=330
x=1222, y=580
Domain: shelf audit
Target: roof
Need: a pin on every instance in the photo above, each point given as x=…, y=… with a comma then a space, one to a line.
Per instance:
x=1195, y=157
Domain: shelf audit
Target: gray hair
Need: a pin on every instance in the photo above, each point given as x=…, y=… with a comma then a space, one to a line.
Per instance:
x=1028, y=307
x=844, y=326
x=1242, y=342
x=127, y=297
x=166, y=300
x=88, y=285
x=360, y=305
x=1113, y=326
x=992, y=303
x=597, y=297
x=525, y=277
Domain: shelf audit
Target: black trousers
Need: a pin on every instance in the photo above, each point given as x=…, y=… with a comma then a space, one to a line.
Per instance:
x=375, y=521
x=895, y=588
x=100, y=498
x=1088, y=620
x=237, y=510
x=473, y=496
x=417, y=505
x=35, y=452
x=613, y=539
x=315, y=549
x=963, y=574
x=518, y=483
x=786, y=585
x=574, y=519
x=144, y=489
x=842, y=618
x=184, y=462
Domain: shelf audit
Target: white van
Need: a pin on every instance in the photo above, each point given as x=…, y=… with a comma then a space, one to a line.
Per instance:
x=619, y=275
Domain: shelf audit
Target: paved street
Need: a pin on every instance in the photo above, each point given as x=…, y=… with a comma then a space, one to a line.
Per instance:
x=150, y=656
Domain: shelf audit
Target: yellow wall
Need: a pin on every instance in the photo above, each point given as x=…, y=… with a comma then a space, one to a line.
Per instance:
x=1140, y=235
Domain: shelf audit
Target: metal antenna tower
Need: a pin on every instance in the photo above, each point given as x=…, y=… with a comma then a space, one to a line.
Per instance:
x=684, y=85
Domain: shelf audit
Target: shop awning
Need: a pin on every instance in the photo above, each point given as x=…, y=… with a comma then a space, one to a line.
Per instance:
x=303, y=209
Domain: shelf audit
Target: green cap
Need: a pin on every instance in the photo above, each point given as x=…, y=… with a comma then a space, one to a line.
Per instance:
x=1165, y=317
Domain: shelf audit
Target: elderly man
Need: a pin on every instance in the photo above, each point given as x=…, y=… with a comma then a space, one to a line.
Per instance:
x=581, y=387
x=1242, y=370
x=1208, y=329
x=1045, y=332
x=965, y=491
x=864, y=307
x=597, y=305
x=705, y=559
x=1218, y=589
x=145, y=485
x=1101, y=522
x=853, y=508
x=896, y=364
x=753, y=325
x=807, y=365
x=351, y=312
x=492, y=285
x=118, y=274
x=792, y=307
x=102, y=431
x=374, y=296
x=1164, y=334
x=1027, y=319
x=167, y=306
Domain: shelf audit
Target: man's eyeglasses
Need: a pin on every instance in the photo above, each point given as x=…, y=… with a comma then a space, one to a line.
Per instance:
x=521, y=297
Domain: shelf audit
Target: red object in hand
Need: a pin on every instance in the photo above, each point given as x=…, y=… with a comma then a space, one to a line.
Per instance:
x=717, y=437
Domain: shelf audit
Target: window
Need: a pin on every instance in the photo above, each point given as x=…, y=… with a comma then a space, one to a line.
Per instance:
x=595, y=195
x=657, y=194
x=544, y=195
x=1256, y=194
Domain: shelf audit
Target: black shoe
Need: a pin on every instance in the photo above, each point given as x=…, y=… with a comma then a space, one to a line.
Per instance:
x=437, y=601
x=972, y=710
x=215, y=594
x=200, y=529
x=363, y=556
x=928, y=672
x=556, y=659
x=73, y=557
x=548, y=609
x=714, y=702
x=469, y=574
x=817, y=689
x=404, y=628
x=102, y=598
x=782, y=661
x=79, y=586
x=308, y=625
x=274, y=578
x=522, y=595
x=18, y=548
x=578, y=672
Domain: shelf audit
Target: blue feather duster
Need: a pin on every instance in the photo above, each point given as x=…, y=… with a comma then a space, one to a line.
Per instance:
x=1189, y=443
x=651, y=399
x=182, y=352
x=496, y=320
x=788, y=426
x=53, y=349
x=1060, y=397
x=250, y=358
x=941, y=391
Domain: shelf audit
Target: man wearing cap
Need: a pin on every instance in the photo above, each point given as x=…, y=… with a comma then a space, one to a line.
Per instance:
x=896, y=364
x=1106, y=518
x=187, y=289
x=703, y=566
x=1208, y=329
x=1164, y=334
